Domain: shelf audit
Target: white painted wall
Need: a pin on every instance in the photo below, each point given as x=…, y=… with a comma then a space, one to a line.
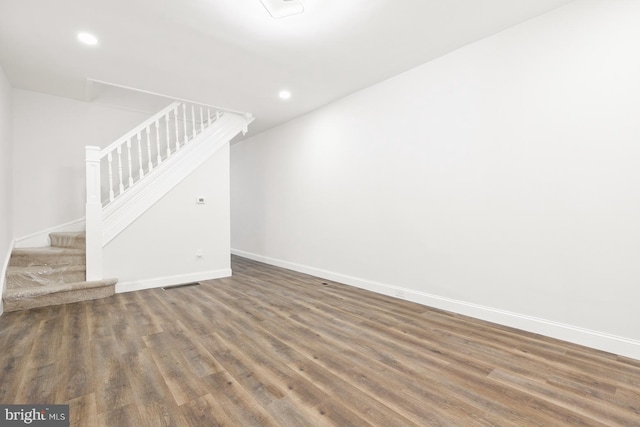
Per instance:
x=6, y=232
x=500, y=181
x=49, y=135
x=159, y=248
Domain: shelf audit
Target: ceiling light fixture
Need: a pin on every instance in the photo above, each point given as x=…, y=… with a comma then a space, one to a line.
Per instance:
x=88, y=39
x=283, y=8
x=284, y=94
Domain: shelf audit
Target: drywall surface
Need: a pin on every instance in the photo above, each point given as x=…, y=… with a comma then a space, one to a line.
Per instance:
x=161, y=247
x=49, y=135
x=6, y=232
x=501, y=180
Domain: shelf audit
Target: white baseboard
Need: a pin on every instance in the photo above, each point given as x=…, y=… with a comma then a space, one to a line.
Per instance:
x=602, y=341
x=3, y=278
x=41, y=238
x=161, y=282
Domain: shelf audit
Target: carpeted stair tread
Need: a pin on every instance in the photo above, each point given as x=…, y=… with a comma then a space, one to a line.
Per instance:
x=49, y=255
x=44, y=275
x=42, y=296
x=65, y=287
x=68, y=239
x=53, y=275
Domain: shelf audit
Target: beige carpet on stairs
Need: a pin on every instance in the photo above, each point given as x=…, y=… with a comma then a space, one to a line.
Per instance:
x=40, y=277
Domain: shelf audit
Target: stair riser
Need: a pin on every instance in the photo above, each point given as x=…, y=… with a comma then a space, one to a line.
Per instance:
x=58, y=298
x=68, y=240
x=27, y=259
x=25, y=280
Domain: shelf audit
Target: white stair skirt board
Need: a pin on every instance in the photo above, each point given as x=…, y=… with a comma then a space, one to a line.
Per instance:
x=3, y=278
x=124, y=210
x=41, y=238
x=594, y=339
x=161, y=282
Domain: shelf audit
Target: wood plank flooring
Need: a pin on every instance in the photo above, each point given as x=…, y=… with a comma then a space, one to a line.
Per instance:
x=271, y=347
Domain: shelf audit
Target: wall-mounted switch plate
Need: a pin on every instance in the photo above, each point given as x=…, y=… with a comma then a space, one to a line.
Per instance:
x=199, y=253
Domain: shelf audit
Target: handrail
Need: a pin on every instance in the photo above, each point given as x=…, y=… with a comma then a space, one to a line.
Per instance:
x=114, y=145
x=138, y=152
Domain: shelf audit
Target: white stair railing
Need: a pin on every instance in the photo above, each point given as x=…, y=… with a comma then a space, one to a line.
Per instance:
x=134, y=155
x=114, y=170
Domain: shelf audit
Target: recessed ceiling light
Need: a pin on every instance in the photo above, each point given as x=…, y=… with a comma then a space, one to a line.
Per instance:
x=283, y=8
x=284, y=94
x=88, y=39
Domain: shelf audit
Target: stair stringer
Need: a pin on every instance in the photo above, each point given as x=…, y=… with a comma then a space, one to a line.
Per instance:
x=119, y=214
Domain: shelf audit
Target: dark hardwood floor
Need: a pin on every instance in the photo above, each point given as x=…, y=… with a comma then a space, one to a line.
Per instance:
x=271, y=347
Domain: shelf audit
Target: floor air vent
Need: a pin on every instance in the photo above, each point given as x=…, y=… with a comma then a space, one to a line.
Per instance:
x=181, y=286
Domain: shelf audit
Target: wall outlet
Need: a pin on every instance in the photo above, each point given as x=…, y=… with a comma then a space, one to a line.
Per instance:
x=200, y=200
x=199, y=253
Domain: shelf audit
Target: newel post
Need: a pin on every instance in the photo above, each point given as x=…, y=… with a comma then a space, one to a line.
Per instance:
x=93, y=212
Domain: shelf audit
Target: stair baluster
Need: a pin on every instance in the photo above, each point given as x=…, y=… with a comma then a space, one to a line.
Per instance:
x=184, y=119
x=168, y=135
x=175, y=123
x=150, y=163
x=158, y=142
x=141, y=169
x=121, y=186
x=110, y=161
x=193, y=120
x=129, y=162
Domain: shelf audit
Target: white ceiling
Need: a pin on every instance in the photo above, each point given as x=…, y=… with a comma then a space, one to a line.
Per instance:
x=231, y=53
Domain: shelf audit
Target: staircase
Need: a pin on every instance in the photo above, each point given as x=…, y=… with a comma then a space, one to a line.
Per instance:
x=123, y=181
x=134, y=172
x=40, y=277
